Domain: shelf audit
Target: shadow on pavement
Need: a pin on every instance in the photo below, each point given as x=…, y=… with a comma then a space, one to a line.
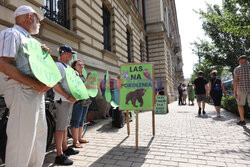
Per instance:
x=108, y=128
x=221, y=118
x=246, y=131
x=204, y=116
x=121, y=155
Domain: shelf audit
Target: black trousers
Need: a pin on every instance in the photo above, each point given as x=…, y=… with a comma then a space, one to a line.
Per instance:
x=180, y=99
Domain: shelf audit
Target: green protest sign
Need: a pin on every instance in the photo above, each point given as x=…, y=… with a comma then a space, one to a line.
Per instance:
x=137, y=87
x=92, y=84
x=113, y=104
x=41, y=63
x=160, y=104
x=76, y=86
x=107, y=88
x=84, y=72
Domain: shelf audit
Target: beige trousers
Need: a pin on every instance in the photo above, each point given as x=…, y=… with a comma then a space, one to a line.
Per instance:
x=27, y=126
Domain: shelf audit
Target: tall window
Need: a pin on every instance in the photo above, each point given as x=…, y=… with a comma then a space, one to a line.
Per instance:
x=106, y=28
x=57, y=11
x=129, y=46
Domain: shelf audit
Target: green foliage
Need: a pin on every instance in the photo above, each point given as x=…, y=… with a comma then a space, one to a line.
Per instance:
x=207, y=67
x=230, y=104
x=228, y=27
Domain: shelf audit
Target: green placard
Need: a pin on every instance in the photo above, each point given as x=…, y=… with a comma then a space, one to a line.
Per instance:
x=160, y=104
x=113, y=104
x=41, y=63
x=137, y=87
x=92, y=84
x=107, y=88
x=84, y=72
x=76, y=86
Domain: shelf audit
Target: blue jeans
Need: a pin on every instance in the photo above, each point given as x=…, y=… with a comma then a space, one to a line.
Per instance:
x=79, y=114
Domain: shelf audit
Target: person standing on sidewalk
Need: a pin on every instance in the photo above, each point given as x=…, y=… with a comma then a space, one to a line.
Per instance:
x=215, y=91
x=242, y=86
x=24, y=94
x=180, y=94
x=184, y=94
x=190, y=94
x=64, y=105
x=201, y=91
x=80, y=110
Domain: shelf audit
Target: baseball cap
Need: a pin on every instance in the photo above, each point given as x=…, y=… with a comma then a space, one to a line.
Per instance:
x=66, y=48
x=214, y=72
x=242, y=57
x=21, y=10
x=200, y=72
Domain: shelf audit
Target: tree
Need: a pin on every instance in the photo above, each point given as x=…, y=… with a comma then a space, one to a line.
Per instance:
x=229, y=30
x=206, y=67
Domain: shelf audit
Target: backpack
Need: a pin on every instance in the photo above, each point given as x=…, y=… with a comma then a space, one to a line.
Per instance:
x=217, y=87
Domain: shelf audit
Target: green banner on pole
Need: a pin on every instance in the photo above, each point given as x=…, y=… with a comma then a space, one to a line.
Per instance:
x=107, y=88
x=160, y=104
x=76, y=86
x=137, y=87
x=92, y=84
x=41, y=63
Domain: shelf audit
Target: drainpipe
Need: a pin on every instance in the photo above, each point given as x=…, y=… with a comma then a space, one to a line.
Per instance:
x=145, y=27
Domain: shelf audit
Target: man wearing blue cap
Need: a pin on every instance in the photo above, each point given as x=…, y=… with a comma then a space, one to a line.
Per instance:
x=24, y=94
x=64, y=105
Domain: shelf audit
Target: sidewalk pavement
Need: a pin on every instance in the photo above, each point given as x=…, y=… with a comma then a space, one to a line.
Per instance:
x=182, y=139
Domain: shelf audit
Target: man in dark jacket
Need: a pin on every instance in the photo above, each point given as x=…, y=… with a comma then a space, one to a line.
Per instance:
x=180, y=94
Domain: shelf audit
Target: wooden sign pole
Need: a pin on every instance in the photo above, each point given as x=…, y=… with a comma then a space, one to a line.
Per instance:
x=136, y=128
x=153, y=121
x=127, y=120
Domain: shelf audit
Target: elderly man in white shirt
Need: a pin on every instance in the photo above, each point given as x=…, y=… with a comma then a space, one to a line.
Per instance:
x=27, y=127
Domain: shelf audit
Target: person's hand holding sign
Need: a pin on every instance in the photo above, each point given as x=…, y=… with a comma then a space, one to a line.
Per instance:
x=46, y=48
x=40, y=87
x=72, y=99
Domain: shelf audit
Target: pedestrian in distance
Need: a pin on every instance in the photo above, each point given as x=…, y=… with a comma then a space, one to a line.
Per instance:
x=201, y=91
x=242, y=86
x=180, y=102
x=64, y=104
x=24, y=94
x=190, y=94
x=215, y=91
x=184, y=94
x=80, y=110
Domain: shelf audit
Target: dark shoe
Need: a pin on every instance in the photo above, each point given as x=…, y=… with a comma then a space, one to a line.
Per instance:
x=203, y=112
x=90, y=124
x=63, y=160
x=241, y=123
x=93, y=122
x=199, y=111
x=70, y=151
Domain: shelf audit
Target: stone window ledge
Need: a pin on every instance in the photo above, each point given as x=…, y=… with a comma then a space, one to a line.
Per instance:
x=109, y=54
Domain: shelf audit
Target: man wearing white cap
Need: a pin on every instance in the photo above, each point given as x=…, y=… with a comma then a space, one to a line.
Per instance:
x=24, y=94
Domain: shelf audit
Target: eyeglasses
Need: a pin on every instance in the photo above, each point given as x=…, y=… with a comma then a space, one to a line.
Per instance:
x=80, y=65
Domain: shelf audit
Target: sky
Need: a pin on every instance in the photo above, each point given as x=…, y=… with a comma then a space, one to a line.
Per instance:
x=190, y=29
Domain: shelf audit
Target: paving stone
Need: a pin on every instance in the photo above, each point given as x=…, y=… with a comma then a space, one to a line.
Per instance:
x=182, y=139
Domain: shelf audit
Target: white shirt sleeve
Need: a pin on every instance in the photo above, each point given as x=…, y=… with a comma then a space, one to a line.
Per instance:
x=8, y=43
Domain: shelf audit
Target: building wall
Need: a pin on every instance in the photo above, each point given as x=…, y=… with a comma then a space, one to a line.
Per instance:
x=163, y=37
